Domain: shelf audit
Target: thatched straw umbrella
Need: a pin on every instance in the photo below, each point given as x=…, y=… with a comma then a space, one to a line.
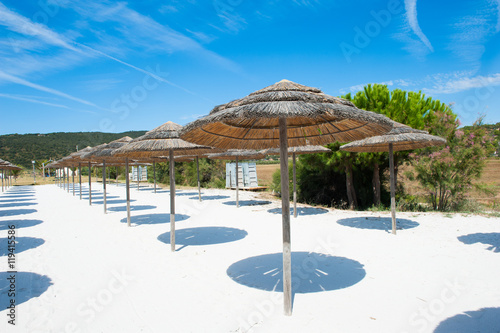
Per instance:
x=2, y=165
x=157, y=142
x=236, y=155
x=72, y=160
x=281, y=115
x=103, y=153
x=297, y=151
x=6, y=165
x=69, y=162
x=10, y=167
x=401, y=137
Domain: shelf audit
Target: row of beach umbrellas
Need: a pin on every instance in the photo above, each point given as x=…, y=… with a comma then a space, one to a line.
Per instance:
x=283, y=119
x=6, y=169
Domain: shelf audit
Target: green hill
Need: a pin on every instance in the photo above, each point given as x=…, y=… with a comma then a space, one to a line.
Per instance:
x=21, y=149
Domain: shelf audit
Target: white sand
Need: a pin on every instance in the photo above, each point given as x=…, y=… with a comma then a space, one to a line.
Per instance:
x=94, y=274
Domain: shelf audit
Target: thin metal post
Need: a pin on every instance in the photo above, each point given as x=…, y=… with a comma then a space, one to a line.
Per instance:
x=294, y=188
x=80, y=178
x=198, y=176
x=172, y=199
x=104, y=183
x=127, y=186
x=137, y=168
x=73, y=175
x=90, y=184
x=393, y=189
x=285, y=213
x=67, y=177
x=237, y=184
x=154, y=173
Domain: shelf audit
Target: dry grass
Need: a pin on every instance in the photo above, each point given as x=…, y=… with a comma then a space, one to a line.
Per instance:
x=265, y=173
x=490, y=177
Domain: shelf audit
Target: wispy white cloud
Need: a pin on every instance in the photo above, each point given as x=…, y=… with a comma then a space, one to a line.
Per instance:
x=411, y=35
x=165, y=9
x=136, y=26
x=101, y=84
x=20, y=24
x=411, y=16
x=17, y=80
x=458, y=84
x=32, y=100
x=359, y=87
x=498, y=16
x=144, y=31
x=439, y=83
x=472, y=31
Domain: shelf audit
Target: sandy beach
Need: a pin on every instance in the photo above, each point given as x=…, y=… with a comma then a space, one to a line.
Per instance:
x=80, y=270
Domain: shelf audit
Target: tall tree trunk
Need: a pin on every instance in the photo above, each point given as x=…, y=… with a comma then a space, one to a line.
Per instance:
x=351, y=193
x=376, y=184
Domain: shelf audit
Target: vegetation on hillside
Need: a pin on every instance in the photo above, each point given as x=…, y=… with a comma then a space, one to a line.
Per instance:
x=21, y=149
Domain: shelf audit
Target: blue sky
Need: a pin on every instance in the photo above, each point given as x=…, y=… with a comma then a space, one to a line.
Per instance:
x=73, y=65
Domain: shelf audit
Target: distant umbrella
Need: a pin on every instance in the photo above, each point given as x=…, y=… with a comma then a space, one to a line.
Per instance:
x=297, y=151
x=157, y=142
x=104, y=153
x=401, y=137
x=282, y=115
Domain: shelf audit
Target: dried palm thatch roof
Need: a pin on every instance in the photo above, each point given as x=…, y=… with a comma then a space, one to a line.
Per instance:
x=298, y=150
x=105, y=151
x=9, y=166
x=241, y=154
x=401, y=136
x=313, y=118
x=179, y=158
x=158, y=142
x=131, y=163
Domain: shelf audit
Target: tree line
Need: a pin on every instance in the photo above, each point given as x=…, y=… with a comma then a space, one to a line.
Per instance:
x=21, y=149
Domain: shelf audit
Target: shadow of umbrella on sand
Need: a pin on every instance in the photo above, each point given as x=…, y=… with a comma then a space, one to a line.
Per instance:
x=312, y=272
x=204, y=236
x=282, y=115
x=29, y=285
x=484, y=320
x=488, y=238
x=376, y=223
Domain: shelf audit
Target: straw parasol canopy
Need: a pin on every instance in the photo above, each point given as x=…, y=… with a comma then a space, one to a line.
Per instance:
x=298, y=150
x=401, y=137
x=282, y=115
x=158, y=141
x=105, y=151
x=313, y=118
x=240, y=154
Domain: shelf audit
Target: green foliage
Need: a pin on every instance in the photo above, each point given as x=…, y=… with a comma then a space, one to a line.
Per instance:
x=448, y=173
x=409, y=108
x=276, y=183
x=321, y=180
x=22, y=149
x=212, y=173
